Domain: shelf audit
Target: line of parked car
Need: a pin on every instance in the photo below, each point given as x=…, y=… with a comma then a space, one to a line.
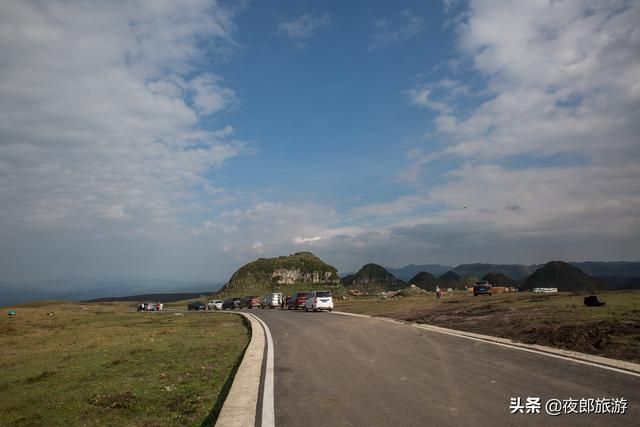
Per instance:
x=309, y=301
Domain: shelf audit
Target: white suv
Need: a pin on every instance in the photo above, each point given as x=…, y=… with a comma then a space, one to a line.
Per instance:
x=215, y=305
x=319, y=300
x=272, y=300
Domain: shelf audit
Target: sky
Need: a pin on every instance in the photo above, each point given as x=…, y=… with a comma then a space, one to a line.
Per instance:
x=180, y=140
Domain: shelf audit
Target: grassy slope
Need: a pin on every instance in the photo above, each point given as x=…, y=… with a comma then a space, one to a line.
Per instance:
x=556, y=320
x=100, y=364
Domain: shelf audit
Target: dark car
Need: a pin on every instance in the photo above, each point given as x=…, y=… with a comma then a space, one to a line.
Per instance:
x=231, y=303
x=298, y=300
x=482, y=288
x=250, y=301
x=196, y=305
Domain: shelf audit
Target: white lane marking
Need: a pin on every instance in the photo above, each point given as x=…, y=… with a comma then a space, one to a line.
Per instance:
x=268, y=412
x=550, y=352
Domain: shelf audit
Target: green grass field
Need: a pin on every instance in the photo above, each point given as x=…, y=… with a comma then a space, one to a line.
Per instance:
x=557, y=320
x=102, y=364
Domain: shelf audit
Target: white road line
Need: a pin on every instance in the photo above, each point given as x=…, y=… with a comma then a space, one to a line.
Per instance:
x=268, y=412
x=632, y=369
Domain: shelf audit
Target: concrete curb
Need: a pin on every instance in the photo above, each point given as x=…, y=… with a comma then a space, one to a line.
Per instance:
x=621, y=366
x=240, y=406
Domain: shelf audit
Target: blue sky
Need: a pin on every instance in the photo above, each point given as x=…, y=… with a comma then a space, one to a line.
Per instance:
x=157, y=140
x=332, y=102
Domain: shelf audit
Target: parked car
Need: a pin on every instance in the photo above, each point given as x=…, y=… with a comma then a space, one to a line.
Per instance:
x=250, y=301
x=319, y=300
x=150, y=306
x=215, y=304
x=272, y=300
x=298, y=300
x=482, y=288
x=196, y=305
x=231, y=304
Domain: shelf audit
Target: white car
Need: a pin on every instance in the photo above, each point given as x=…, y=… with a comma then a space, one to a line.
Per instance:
x=272, y=300
x=319, y=300
x=215, y=305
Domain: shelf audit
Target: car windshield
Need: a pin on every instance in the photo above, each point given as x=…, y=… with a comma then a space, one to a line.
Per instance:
x=324, y=294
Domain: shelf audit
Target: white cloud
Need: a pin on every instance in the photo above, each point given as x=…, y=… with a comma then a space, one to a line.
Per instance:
x=302, y=240
x=304, y=26
x=548, y=148
x=209, y=96
x=384, y=35
x=99, y=131
x=258, y=247
x=422, y=97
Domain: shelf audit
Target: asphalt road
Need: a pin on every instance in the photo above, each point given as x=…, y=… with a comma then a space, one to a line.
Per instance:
x=335, y=370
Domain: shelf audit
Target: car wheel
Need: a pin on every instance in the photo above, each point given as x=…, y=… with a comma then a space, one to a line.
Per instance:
x=330, y=309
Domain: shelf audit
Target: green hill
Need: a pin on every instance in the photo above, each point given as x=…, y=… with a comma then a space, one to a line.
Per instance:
x=299, y=271
x=424, y=280
x=450, y=279
x=561, y=275
x=373, y=278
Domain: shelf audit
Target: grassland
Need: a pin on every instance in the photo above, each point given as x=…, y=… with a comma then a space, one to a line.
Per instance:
x=560, y=320
x=102, y=364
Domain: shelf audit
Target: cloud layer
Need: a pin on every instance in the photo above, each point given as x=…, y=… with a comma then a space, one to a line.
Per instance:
x=112, y=128
x=100, y=114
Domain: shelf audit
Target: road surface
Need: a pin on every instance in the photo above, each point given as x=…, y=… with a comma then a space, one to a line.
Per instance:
x=336, y=370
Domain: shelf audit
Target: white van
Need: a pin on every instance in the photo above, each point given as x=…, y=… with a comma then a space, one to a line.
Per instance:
x=272, y=300
x=319, y=300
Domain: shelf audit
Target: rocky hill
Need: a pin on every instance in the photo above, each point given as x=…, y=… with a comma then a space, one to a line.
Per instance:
x=561, y=275
x=282, y=273
x=424, y=280
x=373, y=278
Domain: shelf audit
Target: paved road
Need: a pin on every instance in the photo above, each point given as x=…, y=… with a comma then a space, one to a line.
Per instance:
x=335, y=370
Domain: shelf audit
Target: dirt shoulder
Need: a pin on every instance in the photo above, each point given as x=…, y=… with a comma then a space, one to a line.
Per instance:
x=560, y=320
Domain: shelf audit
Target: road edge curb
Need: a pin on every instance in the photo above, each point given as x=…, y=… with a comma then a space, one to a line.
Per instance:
x=240, y=406
x=622, y=366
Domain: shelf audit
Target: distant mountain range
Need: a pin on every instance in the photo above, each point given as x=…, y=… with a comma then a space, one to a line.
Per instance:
x=83, y=290
x=163, y=298
x=618, y=269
